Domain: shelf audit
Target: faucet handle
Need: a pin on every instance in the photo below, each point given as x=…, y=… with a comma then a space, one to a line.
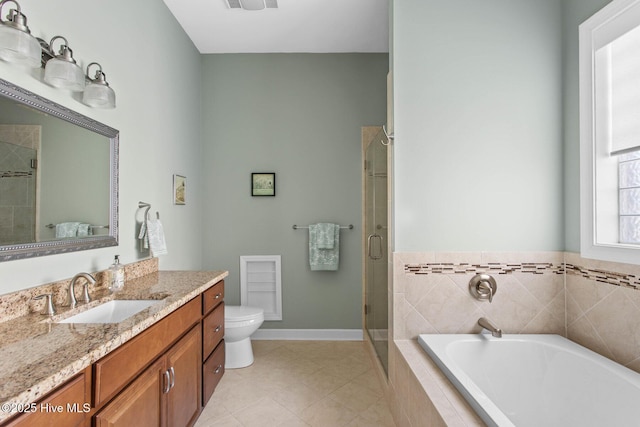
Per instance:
x=483, y=286
x=85, y=292
x=49, y=309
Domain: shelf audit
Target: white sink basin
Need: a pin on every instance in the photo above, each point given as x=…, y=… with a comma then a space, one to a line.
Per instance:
x=110, y=312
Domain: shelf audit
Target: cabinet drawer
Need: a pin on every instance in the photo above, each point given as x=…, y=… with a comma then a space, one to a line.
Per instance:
x=64, y=407
x=118, y=368
x=212, y=372
x=212, y=330
x=212, y=297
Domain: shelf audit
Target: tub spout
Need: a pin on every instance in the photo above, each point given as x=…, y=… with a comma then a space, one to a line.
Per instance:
x=489, y=326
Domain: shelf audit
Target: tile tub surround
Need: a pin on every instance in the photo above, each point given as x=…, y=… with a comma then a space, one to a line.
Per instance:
x=603, y=308
x=421, y=395
x=36, y=355
x=431, y=293
x=594, y=303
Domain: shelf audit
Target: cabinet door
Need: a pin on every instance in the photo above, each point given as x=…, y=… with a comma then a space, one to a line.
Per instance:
x=140, y=404
x=184, y=363
x=67, y=403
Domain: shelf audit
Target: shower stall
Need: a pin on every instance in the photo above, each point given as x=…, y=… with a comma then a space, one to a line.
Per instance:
x=376, y=296
x=19, y=184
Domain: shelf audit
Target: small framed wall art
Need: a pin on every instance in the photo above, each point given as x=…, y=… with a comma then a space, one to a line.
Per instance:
x=179, y=189
x=263, y=184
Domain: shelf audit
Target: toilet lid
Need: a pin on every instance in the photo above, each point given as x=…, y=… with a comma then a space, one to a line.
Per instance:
x=241, y=312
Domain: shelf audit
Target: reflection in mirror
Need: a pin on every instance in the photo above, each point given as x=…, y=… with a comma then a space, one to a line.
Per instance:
x=58, y=178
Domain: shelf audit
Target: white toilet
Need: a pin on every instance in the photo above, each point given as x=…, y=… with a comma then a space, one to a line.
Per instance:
x=240, y=322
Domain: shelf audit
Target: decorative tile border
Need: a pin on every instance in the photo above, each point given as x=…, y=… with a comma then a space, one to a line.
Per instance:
x=490, y=267
x=610, y=277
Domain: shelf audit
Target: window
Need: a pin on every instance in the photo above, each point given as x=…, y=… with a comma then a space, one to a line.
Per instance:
x=629, y=197
x=610, y=133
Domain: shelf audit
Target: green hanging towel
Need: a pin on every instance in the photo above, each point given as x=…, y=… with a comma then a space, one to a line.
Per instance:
x=324, y=247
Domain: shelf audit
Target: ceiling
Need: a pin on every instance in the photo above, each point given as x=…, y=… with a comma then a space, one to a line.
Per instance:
x=314, y=26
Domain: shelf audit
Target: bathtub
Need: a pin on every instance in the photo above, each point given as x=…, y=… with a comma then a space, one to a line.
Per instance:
x=537, y=380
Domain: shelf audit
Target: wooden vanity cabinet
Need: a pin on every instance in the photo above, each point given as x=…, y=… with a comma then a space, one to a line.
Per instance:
x=212, y=339
x=116, y=370
x=183, y=396
x=158, y=386
x=66, y=406
x=160, y=378
x=165, y=394
x=140, y=404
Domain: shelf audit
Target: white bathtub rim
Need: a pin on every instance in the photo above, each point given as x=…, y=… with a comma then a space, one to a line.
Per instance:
x=486, y=409
x=477, y=399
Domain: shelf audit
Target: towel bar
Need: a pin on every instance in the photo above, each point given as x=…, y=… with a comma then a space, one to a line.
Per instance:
x=92, y=226
x=297, y=227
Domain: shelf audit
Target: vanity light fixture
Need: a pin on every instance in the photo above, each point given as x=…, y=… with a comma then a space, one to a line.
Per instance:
x=62, y=71
x=97, y=93
x=17, y=45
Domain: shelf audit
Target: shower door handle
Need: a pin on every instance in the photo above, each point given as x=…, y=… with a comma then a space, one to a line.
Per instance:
x=370, y=251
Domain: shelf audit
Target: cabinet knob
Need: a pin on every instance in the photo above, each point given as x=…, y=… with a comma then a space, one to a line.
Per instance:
x=217, y=329
x=218, y=295
x=218, y=369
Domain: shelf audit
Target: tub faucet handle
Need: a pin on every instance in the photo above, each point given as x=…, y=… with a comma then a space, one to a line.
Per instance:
x=482, y=287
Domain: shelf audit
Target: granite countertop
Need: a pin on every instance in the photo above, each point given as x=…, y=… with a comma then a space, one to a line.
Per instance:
x=37, y=354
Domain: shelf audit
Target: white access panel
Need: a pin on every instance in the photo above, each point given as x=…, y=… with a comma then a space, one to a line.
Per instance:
x=261, y=284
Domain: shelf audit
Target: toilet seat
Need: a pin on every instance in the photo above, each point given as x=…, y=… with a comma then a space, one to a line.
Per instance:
x=241, y=313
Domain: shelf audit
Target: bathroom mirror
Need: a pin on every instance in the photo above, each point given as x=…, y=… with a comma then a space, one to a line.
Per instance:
x=58, y=178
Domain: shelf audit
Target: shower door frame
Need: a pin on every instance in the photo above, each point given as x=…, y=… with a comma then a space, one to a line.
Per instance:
x=374, y=135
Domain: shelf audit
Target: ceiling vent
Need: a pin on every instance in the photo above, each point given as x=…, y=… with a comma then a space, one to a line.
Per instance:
x=252, y=4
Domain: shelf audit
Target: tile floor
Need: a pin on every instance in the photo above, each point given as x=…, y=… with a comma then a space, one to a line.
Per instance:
x=301, y=383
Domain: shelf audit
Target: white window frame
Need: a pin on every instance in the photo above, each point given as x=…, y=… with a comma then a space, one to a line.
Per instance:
x=598, y=169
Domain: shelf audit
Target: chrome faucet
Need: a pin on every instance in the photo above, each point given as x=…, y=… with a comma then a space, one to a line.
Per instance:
x=489, y=326
x=85, y=294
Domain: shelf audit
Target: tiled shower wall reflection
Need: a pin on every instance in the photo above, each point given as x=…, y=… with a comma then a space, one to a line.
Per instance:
x=593, y=303
x=19, y=145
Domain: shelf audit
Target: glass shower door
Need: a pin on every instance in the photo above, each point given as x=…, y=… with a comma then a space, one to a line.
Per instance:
x=376, y=257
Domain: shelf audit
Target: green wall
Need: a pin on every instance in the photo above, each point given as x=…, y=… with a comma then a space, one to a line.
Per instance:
x=478, y=125
x=155, y=71
x=298, y=115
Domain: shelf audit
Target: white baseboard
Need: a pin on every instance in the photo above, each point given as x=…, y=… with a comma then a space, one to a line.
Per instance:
x=309, y=334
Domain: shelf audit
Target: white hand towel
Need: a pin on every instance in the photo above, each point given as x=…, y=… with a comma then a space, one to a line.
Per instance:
x=155, y=232
x=143, y=235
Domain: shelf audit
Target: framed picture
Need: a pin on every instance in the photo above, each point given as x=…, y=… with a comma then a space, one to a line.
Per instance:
x=263, y=184
x=179, y=190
